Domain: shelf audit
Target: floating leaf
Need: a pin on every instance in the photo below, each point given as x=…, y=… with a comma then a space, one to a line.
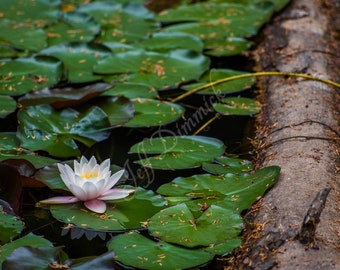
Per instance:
x=10, y=148
x=132, y=90
x=138, y=251
x=73, y=26
x=79, y=59
x=64, y=97
x=10, y=227
x=124, y=214
x=230, y=87
x=156, y=69
x=22, y=75
x=178, y=225
x=150, y=112
x=178, y=152
x=27, y=240
x=43, y=128
x=163, y=42
x=235, y=192
x=7, y=105
x=226, y=247
x=120, y=23
x=22, y=36
x=39, y=258
x=237, y=106
x=118, y=109
x=226, y=47
x=228, y=165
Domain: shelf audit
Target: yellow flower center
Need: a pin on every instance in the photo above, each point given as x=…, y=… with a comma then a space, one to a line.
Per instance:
x=89, y=175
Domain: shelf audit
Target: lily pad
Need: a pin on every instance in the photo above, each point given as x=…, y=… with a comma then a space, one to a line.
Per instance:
x=129, y=213
x=10, y=148
x=79, y=58
x=7, y=105
x=64, y=97
x=132, y=90
x=150, y=112
x=122, y=23
x=237, y=106
x=22, y=36
x=38, y=13
x=27, y=240
x=43, y=128
x=230, y=87
x=138, y=251
x=163, y=42
x=73, y=26
x=10, y=227
x=156, y=69
x=26, y=74
x=226, y=47
x=226, y=165
x=118, y=109
x=178, y=152
x=235, y=192
x=178, y=225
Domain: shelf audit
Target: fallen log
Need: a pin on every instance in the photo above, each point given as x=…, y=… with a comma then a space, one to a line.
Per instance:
x=296, y=225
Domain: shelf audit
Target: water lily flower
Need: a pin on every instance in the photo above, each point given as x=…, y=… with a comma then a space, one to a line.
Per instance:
x=90, y=183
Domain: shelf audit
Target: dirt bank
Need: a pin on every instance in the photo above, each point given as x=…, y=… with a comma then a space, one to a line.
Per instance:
x=299, y=131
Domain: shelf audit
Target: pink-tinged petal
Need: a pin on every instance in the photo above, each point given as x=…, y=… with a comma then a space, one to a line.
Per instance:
x=60, y=200
x=97, y=206
x=114, y=179
x=91, y=191
x=115, y=194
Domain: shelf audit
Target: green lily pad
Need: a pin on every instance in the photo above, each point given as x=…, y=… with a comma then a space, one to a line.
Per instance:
x=22, y=36
x=43, y=128
x=178, y=225
x=64, y=97
x=122, y=23
x=22, y=75
x=10, y=148
x=178, y=152
x=118, y=109
x=156, y=69
x=226, y=165
x=224, y=248
x=235, y=192
x=10, y=227
x=27, y=240
x=7, y=105
x=226, y=47
x=230, y=87
x=38, y=13
x=78, y=59
x=150, y=112
x=138, y=251
x=163, y=42
x=129, y=213
x=237, y=106
x=217, y=21
x=132, y=90
x=73, y=26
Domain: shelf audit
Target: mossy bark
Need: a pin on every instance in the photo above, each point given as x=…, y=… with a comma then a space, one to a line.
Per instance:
x=298, y=130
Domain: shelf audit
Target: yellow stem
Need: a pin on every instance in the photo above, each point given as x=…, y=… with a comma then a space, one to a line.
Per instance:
x=217, y=115
x=257, y=74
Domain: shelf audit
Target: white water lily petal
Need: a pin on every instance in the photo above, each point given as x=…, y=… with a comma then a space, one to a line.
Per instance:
x=78, y=192
x=91, y=190
x=97, y=206
x=66, y=174
x=104, y=167
x=61, y=200
x=114, y=179
x=116, y=193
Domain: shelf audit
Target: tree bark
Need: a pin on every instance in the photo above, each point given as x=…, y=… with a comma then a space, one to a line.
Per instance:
x=296, y=225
